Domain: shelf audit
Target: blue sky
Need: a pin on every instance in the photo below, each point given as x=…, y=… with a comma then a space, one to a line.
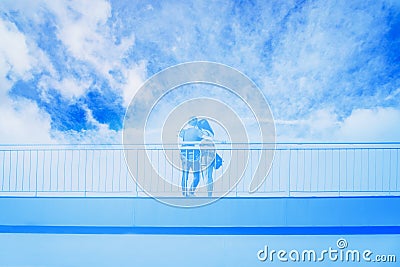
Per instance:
x=329, y=69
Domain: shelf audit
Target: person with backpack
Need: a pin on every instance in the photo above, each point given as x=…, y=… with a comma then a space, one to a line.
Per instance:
x=205, y=160
x=208, y=154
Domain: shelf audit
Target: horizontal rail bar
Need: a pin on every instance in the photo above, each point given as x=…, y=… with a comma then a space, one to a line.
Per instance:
x=311, y=168
x=150, y=230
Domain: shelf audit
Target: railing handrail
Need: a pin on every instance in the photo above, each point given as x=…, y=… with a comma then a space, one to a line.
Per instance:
x=394, y=143
x=315, y=168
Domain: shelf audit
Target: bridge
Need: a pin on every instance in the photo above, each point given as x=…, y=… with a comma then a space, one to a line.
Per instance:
x=77, y=205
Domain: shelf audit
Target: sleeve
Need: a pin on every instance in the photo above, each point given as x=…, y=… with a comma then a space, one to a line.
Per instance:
x=182, y=133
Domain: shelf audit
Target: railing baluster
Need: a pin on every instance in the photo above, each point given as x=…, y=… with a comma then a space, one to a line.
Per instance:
x=106, y=173
x=92, y=171
x=353, y=169
x=397, y=168
x=36, y=172
x=50, y=170
x=3, y=177
x=23, y=170
x=57, y=168
x=98, y=184
x=289, y=173
x=43, y=169
x=112, y=174
x=85, y=179
x=30, y=170
x=79, y=165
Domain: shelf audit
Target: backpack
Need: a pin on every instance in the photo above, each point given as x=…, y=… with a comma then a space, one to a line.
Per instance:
x=218, y=161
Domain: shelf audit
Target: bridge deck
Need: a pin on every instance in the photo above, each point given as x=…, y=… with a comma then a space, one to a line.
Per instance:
x=226, y=212
x=314, y=196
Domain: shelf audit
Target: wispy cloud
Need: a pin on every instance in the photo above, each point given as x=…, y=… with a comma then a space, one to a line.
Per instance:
x=393, y=95
x=15, y=59
x=319, y=63
x=362, y=125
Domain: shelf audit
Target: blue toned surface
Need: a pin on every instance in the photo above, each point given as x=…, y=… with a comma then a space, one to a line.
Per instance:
x=280, y=212
x=230, y=232
x=176, y=250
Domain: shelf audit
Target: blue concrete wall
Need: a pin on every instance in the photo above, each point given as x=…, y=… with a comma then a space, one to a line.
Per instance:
x=144, y=232
x=241, y=212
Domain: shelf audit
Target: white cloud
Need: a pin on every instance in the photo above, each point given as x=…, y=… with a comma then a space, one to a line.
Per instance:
x=321, y=125
x=393, y=94
x=362, y=125
x=80, y=24
x=19, y=57
x=83, y=29
x=323, y=42
x=303, y=52
x=14, y=52
x=23, y=122
x=379, y=124
x=69, y=87
x=98, y=136
x=135, y=77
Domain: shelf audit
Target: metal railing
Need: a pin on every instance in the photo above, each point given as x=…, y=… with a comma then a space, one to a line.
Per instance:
x=311, y=169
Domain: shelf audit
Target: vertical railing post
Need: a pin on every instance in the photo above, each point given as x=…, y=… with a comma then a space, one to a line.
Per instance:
x=85, y=178
x=36, y=172
x=288, y=181
x=339, y=189
x=365, y=168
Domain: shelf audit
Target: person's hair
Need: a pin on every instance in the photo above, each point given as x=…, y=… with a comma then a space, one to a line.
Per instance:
x=193, y=120
x=204, y=125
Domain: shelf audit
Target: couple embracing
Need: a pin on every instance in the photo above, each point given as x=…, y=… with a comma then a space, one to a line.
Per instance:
x=197, y=155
